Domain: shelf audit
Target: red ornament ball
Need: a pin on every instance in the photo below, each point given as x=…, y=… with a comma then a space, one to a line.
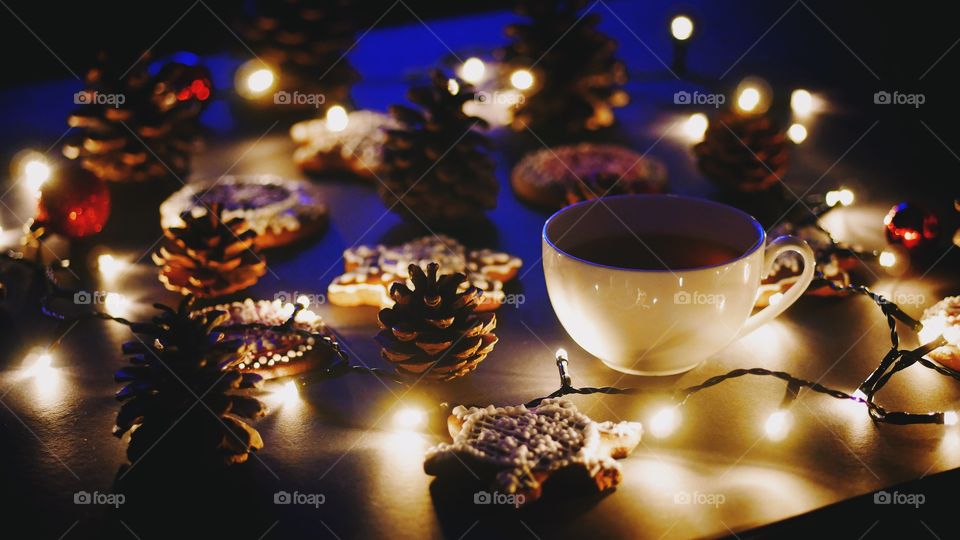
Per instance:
x=911, y=226
x=74, y=203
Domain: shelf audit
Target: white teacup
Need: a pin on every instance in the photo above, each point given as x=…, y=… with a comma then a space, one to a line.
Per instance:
x=662, y=321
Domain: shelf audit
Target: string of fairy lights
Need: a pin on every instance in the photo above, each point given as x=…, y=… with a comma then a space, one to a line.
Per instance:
x=660, y=425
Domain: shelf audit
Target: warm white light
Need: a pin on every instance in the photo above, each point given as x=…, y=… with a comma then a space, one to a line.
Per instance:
x=797, y=133
x=116, y=304
x=288, y=394
x=775, y=299
x=839, y=196
x=933, y=328
x=337, y=118
x=473, y=70
x=36, y=171
x=950, y=418
x=303, y=300
x=260, y=80
x=748, y=99
x=778, y=424
x=696, y=126
x=562, y=353
x=681, y=27
x=664, y=422
x=801, y=101
x=521, y=79
x=409, y=418
x=453, y=86
x=887, y=259
x=109, y=266
x=41, y=365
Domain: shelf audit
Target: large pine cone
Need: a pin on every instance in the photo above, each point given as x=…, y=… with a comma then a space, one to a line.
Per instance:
x=579, y=80
x=178, y=360
x=137, y=127
x=433, y=331
x=744, y=153
x=208, y=257
x=438, y=164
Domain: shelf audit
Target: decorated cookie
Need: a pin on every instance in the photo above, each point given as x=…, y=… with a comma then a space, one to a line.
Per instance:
x=564, y=175
x=944, y=318
x=355, y=149
x=271, y=353
x=281, y=211
x=517, y=449
x=788, y=267
x=786, y=271
x=370, y=270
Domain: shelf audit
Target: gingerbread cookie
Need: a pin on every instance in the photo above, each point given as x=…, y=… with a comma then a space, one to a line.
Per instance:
x=786, y=271
x=281, y=211
x=944, y=318
x=356, y=149
x=556, y=177
x=370, y=270
x=518, y=449
x=273, y=354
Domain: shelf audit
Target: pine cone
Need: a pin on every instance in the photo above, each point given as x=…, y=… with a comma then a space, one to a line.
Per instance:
x=433, y=331
x=137, y=127
x=578, y=80
x=176, y=362
x=745, y=153
x=207, y=257
x=306, y=41
x=437, y=182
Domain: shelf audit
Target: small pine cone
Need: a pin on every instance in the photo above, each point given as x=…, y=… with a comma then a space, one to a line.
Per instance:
x=745, y=153
x=433, y=331
x=132, y=127
x=208, y=257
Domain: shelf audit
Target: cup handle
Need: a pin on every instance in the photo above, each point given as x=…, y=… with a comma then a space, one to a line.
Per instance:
x=774, y=250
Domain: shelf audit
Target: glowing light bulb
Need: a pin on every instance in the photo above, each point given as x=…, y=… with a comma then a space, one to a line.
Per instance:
x=561, y=353
x=748, y=99
x=409, y=418
x=887, y=259
x=304, y=301
x=288, y=394
x=453, y=86
x=933, y=327
x=253, y=79
x=36, y=171
x=473, y=70
x=681, y=27
x=260, y=80
x=797, y=133
x=521, y=79
x=801, y=102
x=664, y=422
x=43, y=362
x=778, y=425
x=109, y=266
x=950, y=418
x=696, y=126
x=839, y=196
x=116, y=303
x=337, y=118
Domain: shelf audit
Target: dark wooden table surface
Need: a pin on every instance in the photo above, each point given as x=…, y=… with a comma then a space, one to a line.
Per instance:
x=339, y=439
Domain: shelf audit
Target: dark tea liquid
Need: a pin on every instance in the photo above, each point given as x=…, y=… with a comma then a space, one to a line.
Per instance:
x=655, y=252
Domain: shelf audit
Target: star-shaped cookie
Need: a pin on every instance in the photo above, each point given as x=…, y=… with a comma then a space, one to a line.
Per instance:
x=518, y=449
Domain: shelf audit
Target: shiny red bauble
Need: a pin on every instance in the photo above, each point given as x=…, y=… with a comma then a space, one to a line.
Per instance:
x=74, y=202
x=911, y=226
